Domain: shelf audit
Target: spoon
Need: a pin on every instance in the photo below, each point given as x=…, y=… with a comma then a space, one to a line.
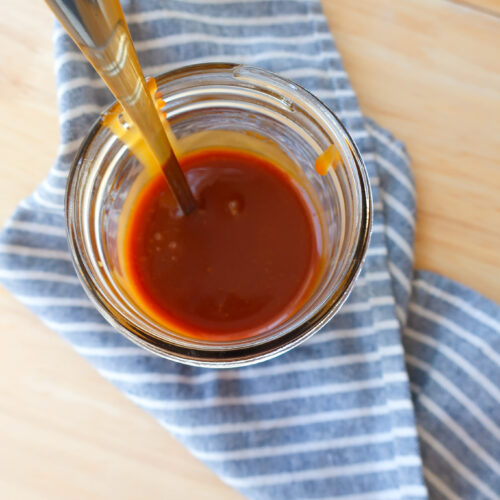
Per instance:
x=99, y=29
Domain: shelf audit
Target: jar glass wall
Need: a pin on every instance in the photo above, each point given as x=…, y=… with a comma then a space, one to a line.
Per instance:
x=222, y=105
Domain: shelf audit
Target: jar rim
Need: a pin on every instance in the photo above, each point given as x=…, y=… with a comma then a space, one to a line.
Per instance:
x=239, y=355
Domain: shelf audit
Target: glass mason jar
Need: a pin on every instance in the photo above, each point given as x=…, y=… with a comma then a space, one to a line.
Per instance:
x=221, y=105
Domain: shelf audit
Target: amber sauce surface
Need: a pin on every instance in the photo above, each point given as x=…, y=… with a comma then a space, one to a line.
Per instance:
x=241, y=263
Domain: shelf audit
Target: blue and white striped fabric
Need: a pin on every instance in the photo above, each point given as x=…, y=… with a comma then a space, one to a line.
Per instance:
x=335, y=417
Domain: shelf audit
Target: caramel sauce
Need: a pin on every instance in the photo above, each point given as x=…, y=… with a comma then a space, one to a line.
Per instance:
x=243, y=262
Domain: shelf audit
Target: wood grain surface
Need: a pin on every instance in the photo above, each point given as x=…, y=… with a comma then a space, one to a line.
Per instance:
x=427, y=69
x=491, y=7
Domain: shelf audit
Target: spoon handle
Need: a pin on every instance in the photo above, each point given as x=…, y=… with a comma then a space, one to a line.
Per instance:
x=99, y=29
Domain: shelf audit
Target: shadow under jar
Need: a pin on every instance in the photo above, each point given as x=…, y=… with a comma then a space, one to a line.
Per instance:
x=217, y=106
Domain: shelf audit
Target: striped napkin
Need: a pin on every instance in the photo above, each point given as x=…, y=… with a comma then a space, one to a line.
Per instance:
x=396, y=398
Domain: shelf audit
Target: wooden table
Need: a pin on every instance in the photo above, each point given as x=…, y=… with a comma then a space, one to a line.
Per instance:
x=429, y=70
